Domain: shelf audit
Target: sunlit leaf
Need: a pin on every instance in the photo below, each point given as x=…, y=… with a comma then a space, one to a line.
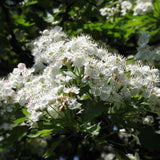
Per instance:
x=20, y=120
x=94, y=129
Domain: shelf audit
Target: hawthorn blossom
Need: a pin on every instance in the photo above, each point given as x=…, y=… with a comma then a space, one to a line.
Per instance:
x=142, y=7
x=125, y=5
x=64, y=66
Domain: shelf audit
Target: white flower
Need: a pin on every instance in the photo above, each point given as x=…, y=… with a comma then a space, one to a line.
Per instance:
x=79, y=60
x=105, y=94
x=109, y=156
x=142, y=7
x=103, y=11
x=125, y=92
x=55, y=10
x=71, y=90
x=63, y=66
x=131, y=156
x=148, y=120
x=35, y=116
x=108, y=12
x=125, y=5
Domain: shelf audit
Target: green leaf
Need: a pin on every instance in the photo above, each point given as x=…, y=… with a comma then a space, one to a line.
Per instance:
x=129, y=33
x=45, y=132
x=25, y=112
x=21, y=20
x=71, y=13
x=94, y=129
x=156, y=8
x=158, y=132
x=34, y=135
x=145, y=103
x=17, y=133
x=130, y=61
x=29, y=3
x=147, y=142
x=120, y=155
x=1, y=150
x=93, y=109
x=54, y=145
x=70, y=74
x=77, y=106
x=127, y=74
x=20, y=120
x=85, y=96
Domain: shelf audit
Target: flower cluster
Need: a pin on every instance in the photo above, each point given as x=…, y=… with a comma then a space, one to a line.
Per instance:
x=125, y=6
x=109, y=12
x=10, y=86
x=64, y=66
x=140, y=7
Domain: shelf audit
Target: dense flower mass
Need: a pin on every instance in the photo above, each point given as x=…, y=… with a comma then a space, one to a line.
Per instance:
x=142, y=7
x=139, y=7
x=64, y=66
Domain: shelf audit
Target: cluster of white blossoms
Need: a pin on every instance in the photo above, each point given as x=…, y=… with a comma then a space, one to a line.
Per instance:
x=63, y=66
x=121, y=7
x=109, y=12
x=125, y=6
x=140, y=7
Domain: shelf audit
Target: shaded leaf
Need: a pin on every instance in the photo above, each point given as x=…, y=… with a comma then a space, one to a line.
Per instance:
x=54, y=145
x=120, y=155
x=93, y=109
x=45, y=132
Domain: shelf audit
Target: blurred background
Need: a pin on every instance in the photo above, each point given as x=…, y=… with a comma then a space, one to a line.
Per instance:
x=111, y=23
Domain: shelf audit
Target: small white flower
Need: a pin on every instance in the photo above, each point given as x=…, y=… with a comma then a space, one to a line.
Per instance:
x=148, y=120
x=142, y=7
x=125, y=5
